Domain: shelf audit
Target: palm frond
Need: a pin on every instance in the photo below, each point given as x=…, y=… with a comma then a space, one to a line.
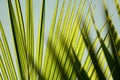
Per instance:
x=69, y=40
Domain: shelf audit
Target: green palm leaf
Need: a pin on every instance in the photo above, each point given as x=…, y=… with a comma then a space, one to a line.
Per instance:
x=69, y=41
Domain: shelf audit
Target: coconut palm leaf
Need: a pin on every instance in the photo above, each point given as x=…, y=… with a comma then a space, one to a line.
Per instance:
x=69, y=40
x=4, y=72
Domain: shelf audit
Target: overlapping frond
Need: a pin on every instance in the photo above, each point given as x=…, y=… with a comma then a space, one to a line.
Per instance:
x=68, y=40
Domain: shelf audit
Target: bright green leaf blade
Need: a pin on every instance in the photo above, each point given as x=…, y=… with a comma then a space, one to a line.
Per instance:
x=30, y=34
x=55, y=38
x=56, y=34
x=9, y=57
x=50, y=38
x=20, y=18
x=4, y=72
x=40, y=37
x=18, y=42
x=5, y=60
x=92, y=55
